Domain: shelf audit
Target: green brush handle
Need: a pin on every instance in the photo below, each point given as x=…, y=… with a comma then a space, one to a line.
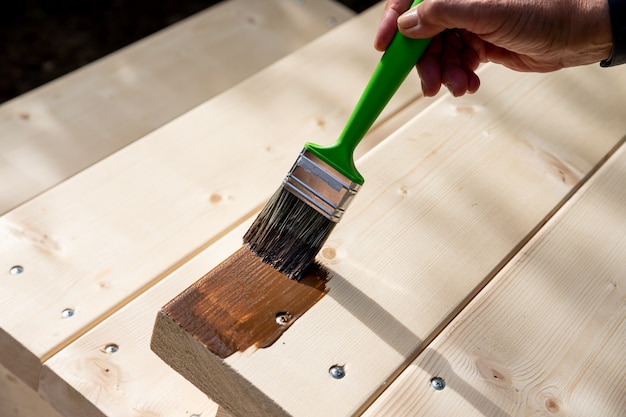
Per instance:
x=394, y=66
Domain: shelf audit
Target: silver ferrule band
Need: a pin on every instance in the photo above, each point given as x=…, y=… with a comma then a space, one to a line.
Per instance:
x=320, y=185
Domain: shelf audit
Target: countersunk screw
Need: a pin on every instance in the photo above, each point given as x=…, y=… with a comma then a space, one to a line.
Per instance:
x=337, y=371
x=437, y=383
x=16, y=270
x=283, y=318
x=67, y=313
x=111, y=348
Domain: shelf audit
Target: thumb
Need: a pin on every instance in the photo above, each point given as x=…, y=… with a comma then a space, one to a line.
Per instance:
x=431, y=17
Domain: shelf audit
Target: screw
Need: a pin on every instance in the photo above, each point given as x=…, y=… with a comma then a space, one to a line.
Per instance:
x=437, y=383
x=283, y=318
x=112, y=348
x=67, y=313
x=16, y=270
x=337, y=371
x=331, y=21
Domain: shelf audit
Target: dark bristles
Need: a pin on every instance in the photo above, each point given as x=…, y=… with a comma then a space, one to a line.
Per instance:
x=288, y=233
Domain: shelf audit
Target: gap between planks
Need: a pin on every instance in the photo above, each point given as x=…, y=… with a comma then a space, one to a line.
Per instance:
x=484, y=285
x=569, y=281
x=56, y=130
x=427, y=178
x=17, y=399
x=96, y=238
x=308, y=20
x=261, y=367
x=234, y=226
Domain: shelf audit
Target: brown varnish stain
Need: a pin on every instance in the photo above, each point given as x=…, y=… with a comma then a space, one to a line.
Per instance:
x=234, y=306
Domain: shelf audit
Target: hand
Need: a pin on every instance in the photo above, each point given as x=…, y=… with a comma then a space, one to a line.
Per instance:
x=524, y=35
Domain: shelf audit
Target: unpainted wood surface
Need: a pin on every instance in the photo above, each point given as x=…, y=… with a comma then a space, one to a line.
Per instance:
x=65, y=126
x=83, y=380
x=99, y=239
x=547, y=335
x=19, y=400
x=449, y=198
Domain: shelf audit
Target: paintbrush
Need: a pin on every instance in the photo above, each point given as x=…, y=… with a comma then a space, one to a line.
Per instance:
x=299, y=217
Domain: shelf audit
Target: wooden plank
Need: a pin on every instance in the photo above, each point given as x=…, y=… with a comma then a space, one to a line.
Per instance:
x=468, y=164
x=75, y=381
x=547, y=335
x=59, y=129
x=243, y=302
x=97, y=240
x=448, y=199
x=19, y=400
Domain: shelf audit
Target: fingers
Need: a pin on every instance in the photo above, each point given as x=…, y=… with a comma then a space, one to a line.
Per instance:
x=431, y=17
x=448, y=61
x=429, y=68
x=413, y=25
x=452, y=57
x=389, y=22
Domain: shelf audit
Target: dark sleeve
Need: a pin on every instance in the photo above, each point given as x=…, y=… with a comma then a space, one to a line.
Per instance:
x=617, y=10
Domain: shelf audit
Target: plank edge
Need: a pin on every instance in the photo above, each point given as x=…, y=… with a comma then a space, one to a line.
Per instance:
x=208, y=372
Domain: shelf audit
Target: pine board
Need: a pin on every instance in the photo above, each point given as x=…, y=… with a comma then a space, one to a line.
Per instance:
x=19, y=400
x=76, y=382
x=449, y=199
x=547, y=335
x=65, y=126
x=96, y=241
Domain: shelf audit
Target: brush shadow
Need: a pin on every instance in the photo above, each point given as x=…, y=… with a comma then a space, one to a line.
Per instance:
x=364, y=308
x=406, y=343
x=438, y=366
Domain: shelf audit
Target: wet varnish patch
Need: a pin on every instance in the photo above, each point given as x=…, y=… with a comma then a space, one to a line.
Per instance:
x=244, y=303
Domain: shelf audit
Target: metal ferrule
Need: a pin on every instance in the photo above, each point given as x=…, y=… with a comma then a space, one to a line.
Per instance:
x=320, y=185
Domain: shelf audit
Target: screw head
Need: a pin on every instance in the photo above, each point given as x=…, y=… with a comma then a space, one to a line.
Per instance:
x=16, y=270
x=111, y=348
x=337, y=371
x=437, y=383
x=67, y=313
x=283, y=318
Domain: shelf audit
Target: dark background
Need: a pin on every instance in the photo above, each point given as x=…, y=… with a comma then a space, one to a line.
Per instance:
x=41, y=40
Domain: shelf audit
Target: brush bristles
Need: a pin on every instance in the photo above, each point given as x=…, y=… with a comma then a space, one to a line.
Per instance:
x=288, y=233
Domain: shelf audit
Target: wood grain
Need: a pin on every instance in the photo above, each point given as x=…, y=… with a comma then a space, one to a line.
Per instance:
x=113, y=231
x=241, y=304
x=110, y=233
x=17, y=399
x=76, y=381
x=448, y=200
x=547, y=335
x=65, y=126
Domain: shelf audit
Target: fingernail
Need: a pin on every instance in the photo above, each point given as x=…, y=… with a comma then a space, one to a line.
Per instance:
x=450, y=88
x=425, y=93
x=409, y=19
